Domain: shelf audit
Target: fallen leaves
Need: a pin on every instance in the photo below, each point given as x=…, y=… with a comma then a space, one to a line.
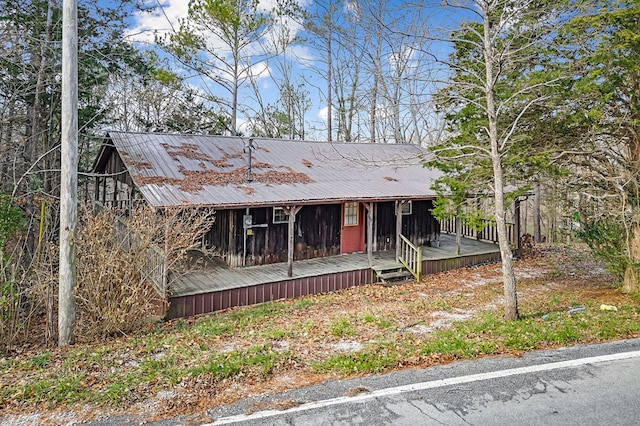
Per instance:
x=298, y=333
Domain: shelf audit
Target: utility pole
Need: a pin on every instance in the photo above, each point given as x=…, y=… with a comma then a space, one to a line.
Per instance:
x=69, y=173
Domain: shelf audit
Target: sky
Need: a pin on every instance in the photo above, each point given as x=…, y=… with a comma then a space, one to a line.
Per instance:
x=165, y=17
x=167, y=14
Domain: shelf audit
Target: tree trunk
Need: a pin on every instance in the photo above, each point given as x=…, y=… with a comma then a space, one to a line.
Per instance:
x=631, y=282
x=329, y=87
x=508, y=275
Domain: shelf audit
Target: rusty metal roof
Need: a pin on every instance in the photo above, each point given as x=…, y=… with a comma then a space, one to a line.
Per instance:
x=178, y=170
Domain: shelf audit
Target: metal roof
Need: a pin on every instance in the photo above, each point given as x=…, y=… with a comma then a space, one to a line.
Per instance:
x=202, y=170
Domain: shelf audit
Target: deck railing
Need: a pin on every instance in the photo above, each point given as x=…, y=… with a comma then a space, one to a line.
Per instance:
x=411, y=257
x=154, y=269
x=489, y=231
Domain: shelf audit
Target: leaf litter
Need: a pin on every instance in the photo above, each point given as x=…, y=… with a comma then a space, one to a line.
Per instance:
x=302, y=330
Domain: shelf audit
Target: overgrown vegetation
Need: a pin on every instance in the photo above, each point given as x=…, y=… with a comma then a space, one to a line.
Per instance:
x=121, y=265
x=122, y=262
x=608, y=241
x=11, y=222
x=221, y=357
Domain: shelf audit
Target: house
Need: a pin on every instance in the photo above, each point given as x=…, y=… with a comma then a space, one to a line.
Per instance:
x=277, y=200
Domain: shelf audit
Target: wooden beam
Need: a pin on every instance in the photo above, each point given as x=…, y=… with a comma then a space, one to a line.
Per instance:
x=104, y=190
x=375, y=226
x=291, y=212
x=369, y=207
x=96, y=190
x=517, y=225
x=231, y=249
x=399, y=205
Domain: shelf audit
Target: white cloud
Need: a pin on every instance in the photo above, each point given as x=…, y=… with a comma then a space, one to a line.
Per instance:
x=162, y=19
x=243, y=126
x=259, y=71
x=323, y=113
x=303, y=55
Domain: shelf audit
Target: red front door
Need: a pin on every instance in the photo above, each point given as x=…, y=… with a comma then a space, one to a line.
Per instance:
x=352, y=228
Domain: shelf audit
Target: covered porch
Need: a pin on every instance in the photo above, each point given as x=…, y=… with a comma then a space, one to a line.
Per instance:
x=214, y=286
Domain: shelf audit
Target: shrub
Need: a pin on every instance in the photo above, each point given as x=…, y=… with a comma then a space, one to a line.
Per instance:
x=11, y=320
x=607, y=240
x=121, y=263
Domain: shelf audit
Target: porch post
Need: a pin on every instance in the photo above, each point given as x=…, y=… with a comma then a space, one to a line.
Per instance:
x=104, y=191
x=516, y=230
x=375, y=226
x=115, y=194
x=231, y=248
x=399, y=205
x=458, y=234
x=291, y=212
x=369, y=207
x=96, y=195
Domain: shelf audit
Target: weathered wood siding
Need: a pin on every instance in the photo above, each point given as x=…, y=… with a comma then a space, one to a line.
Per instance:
x=419, y=227
x=317, y=234
x=116, y=188
x=286, y=289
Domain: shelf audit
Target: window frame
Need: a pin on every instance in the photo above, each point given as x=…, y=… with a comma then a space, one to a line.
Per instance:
x=408, y=205
x=351, y=211
x=278, y=214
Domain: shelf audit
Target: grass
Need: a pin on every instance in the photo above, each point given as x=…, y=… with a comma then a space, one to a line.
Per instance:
x=252, y=347
x=374, y=359
x=342, y=327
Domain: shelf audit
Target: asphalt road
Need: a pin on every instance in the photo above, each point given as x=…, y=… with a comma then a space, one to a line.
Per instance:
x=586, y=385
x=581, y=385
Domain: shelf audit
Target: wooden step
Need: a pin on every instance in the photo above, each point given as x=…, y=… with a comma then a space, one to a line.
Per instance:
x=387, y=267
x=388, y=276
x=391, y=272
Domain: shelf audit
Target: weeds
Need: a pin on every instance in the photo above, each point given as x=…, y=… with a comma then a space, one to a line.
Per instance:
x=342, y=327
x=119, y=289
x=374, y=359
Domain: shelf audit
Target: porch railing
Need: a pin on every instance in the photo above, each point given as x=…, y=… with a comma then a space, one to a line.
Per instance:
x=489, y=231
x=411, y=257
x=154, y=269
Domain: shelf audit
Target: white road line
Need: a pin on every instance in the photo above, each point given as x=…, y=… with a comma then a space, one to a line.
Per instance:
x=428, y=385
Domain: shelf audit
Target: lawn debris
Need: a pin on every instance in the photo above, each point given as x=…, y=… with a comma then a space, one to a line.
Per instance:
x=605, y=307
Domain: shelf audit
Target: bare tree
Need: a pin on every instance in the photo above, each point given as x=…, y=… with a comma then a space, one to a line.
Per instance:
x=219, y=40
x=285, y=117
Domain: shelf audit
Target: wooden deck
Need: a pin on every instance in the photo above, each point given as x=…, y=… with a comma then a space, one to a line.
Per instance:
x=214, y=286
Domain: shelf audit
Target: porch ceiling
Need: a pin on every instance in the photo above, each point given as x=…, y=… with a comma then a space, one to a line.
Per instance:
x=211, y=171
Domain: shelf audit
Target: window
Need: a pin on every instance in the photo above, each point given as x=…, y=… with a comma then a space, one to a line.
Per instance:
x=350, y=214
x=407, y=208
x=280, y=215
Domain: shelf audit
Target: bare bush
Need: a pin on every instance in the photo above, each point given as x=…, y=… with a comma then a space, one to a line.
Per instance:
x=123, y=266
